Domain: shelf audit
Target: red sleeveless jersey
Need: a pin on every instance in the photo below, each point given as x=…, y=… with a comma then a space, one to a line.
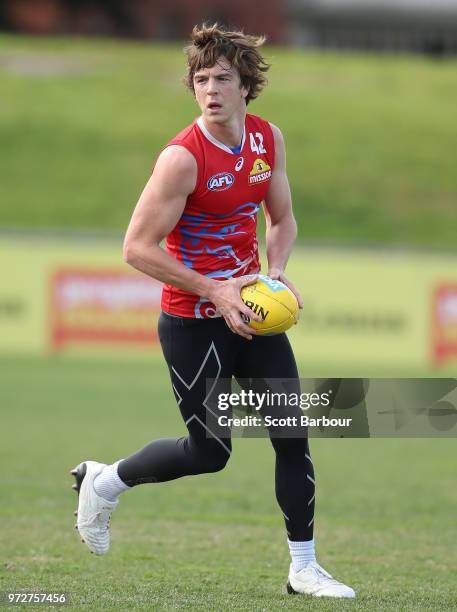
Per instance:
x=216, y=234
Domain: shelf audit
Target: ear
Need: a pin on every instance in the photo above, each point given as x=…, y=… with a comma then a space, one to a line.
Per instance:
x=244, y=92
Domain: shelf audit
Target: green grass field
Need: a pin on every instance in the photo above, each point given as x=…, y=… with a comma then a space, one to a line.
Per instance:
x=385, y=509
x=371, y=140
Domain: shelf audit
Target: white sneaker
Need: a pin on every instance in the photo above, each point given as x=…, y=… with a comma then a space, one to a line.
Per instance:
x=93, y=512
x=314, y=580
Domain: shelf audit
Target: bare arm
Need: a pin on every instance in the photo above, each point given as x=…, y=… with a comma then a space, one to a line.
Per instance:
x=157, y=212
x=281, y=224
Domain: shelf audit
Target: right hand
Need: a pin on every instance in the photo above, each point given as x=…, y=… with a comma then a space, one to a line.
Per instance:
x=225, y=295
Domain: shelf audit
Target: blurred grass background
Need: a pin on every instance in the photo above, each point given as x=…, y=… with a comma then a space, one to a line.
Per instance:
x=370, y=139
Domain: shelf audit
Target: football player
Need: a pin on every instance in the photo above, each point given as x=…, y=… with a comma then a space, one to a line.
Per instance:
x=206, y=190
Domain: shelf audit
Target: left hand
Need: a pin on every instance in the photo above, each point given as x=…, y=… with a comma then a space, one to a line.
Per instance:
x=277, y=274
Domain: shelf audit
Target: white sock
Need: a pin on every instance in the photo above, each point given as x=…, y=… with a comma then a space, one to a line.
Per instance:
x=108, y=484
x=301, y=553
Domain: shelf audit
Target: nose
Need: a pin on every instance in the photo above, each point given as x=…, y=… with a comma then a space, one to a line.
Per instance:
x=212, y=86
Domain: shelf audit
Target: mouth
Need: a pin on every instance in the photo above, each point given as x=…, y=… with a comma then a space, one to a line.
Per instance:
x=214, y=106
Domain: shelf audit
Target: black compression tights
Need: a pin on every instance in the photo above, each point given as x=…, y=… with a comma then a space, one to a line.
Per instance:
x=197, y=350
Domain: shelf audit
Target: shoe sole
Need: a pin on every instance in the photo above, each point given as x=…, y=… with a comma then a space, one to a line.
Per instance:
x=290, y=589
x=79, y=473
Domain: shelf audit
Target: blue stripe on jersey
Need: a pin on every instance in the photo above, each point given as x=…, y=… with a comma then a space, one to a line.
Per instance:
x=195, y=229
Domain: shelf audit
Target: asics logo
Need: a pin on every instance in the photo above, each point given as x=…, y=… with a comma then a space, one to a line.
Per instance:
x=239, y=164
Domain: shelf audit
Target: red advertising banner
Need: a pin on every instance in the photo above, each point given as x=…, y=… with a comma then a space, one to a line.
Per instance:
x=444, y=322
x=103, y=306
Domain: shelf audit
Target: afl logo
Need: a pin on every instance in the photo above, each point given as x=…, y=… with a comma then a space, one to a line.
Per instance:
x=221, y=181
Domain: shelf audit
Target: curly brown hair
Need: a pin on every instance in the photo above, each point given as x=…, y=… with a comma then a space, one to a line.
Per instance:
x=210, y=42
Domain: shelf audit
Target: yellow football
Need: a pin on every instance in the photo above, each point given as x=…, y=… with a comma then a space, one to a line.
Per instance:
x=273, y=302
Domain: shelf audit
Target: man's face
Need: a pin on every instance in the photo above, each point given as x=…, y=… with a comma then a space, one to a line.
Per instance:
x=218, y=91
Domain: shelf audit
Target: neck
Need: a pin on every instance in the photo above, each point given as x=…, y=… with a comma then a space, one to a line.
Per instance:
x=229, y=133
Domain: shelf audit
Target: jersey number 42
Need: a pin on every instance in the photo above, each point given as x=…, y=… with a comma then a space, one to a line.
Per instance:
x=257, y=143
